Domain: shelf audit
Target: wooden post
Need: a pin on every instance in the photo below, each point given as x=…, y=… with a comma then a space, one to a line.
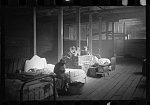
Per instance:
x=78, y=28
x=107, y=24
x=114, y=50
x=90, y=33
x=124, y=32
x=124, y=28
x=87, y=36
x=34, y=26
x=100, y=32
x=60, y=34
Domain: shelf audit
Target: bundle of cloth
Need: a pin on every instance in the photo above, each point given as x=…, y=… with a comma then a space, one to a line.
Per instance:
x=38, y=65
x=103, y=62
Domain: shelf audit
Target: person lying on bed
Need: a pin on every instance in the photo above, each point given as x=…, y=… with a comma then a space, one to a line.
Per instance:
x=59, y=70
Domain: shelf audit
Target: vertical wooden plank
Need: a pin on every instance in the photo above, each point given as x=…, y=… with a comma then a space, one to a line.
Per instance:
x=87, y=34
x=107, y=24
x=114, y=50
x=78, y=29
x=90, y=33
x=60, y=34
x=34, y=25
x=100, y=32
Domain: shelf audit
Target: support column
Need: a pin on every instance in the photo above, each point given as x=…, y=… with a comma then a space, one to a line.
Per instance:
x=113, y=41
x=100, y=33
x=124, y=32
x=90, y=33
x=34, y=26
x=87, y=36
x=78, y=29
x=107, y=24
x=124, y=28
x=60, y=34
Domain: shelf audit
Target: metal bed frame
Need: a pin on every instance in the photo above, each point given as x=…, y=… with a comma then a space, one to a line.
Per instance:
x=22, y=86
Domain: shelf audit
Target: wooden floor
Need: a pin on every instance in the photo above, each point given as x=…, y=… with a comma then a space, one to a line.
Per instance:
x=125, y=83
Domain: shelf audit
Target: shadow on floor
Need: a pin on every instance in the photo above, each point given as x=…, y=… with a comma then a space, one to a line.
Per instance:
x=137, y=73
x=138, y=98
x=141, y=86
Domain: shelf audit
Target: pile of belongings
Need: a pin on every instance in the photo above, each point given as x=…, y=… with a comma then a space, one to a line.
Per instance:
x=38, y=65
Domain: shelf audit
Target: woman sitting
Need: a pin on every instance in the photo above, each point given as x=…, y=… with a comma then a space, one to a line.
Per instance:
x=59, y=70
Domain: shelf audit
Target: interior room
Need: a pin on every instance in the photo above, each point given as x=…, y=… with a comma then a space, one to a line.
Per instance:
x=102, y=49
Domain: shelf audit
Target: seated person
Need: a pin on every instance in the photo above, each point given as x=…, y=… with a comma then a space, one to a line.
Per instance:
x=59, y=70
x=72, y=52
x=85, y=51
x=77, y=51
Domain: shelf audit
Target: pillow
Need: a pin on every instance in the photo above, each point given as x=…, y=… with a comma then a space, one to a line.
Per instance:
x=35, y=63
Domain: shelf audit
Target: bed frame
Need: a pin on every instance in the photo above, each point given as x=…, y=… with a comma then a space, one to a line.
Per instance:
x=12, y=67
x=22, y=86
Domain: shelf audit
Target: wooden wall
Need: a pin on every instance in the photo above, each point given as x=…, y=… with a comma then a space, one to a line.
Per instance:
x=132, y=48
x=135, y=48
x=18, y=33
x=106, y=48
x=47, y=38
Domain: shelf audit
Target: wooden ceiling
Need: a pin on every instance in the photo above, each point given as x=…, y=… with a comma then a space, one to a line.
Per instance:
x=109, y=13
